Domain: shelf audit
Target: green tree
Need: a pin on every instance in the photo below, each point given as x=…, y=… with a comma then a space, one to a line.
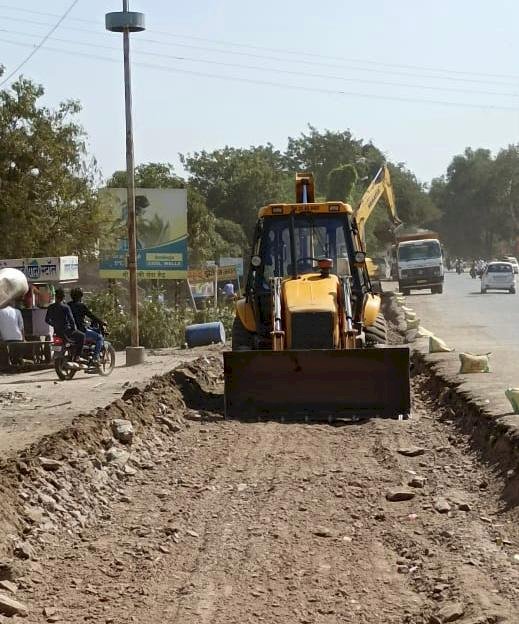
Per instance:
x=341, y=183
x=236, y=182
x=321, y=152
x=49, y=203
x=149, y=175
x=467, y=198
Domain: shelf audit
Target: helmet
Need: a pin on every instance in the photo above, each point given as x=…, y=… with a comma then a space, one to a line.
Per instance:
x=76, y=294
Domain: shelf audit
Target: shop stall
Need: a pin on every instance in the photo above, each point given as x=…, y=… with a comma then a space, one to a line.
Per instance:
x=43, y=275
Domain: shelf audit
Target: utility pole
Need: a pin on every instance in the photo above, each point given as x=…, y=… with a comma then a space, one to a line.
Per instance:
x=126, y=22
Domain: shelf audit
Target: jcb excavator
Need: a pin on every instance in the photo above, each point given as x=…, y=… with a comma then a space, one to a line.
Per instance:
x=379, y=187
x=308, y=338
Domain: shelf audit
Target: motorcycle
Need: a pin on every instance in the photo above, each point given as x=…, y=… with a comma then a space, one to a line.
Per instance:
x=63, y=348
x=473, y=273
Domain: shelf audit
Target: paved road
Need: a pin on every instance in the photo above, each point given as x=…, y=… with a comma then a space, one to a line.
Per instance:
x=470, y=321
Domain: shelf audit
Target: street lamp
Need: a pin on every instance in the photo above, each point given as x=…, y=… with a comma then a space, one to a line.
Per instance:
x=125, y=22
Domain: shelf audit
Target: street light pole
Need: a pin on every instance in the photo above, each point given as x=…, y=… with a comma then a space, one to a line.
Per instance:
x=127, y=22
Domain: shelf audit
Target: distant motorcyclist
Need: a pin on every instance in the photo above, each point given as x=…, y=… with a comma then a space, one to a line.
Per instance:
x=473, y=270
x=60, y=317
x=80, y=311
x=459, y=266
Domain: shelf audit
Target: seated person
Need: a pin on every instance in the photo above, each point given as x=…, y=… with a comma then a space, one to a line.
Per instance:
x=80, y=311
x=60, y=317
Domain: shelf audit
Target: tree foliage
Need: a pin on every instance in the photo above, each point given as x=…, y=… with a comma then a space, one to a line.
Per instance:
x=341, y=183
x=236, y=182
x=49, y=205
x=479, y=199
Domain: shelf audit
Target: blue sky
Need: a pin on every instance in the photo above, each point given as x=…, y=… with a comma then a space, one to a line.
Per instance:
x=379, y=68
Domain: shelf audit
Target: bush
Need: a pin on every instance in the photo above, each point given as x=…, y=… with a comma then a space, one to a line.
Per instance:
x=159, y=325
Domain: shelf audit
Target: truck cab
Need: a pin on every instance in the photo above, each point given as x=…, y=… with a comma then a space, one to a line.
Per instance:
x=420, y=264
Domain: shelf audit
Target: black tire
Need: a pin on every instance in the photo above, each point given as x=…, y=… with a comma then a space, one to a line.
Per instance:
x=512, y=291
x=437, y=290
x=65, y=374
x=483, y=291
x=377, y=333
x=241, y=338
x=107, y=360
x=406, y=292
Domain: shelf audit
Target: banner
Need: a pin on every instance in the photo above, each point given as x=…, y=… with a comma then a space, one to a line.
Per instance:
x=161, y=219
x=207, y=274
x=236, y=262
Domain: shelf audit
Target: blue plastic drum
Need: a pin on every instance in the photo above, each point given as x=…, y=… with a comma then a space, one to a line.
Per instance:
x=205, y=334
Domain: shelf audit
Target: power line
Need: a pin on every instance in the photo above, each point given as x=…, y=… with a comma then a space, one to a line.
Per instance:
x=298, y=53
x=319, y=90
x=406, y=85
x=40, y=44
x=282, y=60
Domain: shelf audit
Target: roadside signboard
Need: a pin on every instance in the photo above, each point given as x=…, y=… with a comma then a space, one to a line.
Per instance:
x=161, y=216
x=54, y=269
x=236, y=262
x=209, y=273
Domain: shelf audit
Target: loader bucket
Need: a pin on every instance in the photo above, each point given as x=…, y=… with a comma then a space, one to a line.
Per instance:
x=317, y=384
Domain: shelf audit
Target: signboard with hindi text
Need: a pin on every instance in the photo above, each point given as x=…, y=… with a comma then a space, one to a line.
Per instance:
x=44, y=270
x=161, y=218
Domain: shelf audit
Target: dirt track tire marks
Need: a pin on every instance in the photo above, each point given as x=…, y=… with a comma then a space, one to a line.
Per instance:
x=238, y=523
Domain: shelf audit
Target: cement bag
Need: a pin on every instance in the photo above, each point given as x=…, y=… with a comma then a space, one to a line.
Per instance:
x=471, y=363
x=512, y=394
x=413, y=323
x=407, y=309
x=436, y=345
x=13, y=285
x=410, y=316
x=424, y=333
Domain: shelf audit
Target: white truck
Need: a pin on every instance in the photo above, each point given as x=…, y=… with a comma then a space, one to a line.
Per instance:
x=419, y=261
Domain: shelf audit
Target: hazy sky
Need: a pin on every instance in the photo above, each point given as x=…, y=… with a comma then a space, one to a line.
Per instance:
x=422, y=80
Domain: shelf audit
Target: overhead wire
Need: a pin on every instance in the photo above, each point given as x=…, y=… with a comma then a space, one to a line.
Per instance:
x=147, y=40
x=297, y=53
x=304, y=88
x=39, y=45
x=275, y=70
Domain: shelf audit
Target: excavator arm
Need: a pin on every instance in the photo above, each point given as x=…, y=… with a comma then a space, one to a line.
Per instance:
x=380, y=187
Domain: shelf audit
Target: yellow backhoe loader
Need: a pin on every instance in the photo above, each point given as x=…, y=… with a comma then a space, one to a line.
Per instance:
x=308, y=338
x=379, y=187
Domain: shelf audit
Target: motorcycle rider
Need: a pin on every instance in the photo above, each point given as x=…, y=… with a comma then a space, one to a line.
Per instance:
x=81, y=311
x=60, y=317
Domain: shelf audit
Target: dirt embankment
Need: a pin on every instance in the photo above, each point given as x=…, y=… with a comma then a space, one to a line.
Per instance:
x=184, y=517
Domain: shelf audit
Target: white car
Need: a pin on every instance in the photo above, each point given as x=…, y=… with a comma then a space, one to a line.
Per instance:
x=498, y=276
x=513, y=261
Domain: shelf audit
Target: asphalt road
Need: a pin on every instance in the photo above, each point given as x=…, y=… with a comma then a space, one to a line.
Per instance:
x=475, y=323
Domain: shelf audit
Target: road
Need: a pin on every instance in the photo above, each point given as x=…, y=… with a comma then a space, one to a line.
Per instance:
x=36, y=403
x=224, y=522
x=475, y=323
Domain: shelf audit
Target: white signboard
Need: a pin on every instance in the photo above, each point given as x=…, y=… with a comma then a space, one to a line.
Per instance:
x=44, y=270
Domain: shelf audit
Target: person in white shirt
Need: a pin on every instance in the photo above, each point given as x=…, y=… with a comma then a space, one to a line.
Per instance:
x=12, y=330
x=11, y=324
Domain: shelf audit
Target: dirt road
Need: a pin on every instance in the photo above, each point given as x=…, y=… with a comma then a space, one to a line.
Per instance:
x=230, y=522
x=34, y=404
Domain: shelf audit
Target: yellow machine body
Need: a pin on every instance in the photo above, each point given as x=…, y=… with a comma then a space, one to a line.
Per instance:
x=310, y=357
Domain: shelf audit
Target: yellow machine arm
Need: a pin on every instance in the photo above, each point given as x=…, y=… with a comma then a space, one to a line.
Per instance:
x=380, y=186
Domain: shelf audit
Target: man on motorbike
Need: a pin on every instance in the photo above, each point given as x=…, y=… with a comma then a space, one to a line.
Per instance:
x=80, y=311
x=60, y=317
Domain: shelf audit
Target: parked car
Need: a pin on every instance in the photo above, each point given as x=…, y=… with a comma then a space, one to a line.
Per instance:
x=498, y=276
